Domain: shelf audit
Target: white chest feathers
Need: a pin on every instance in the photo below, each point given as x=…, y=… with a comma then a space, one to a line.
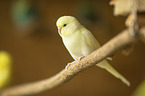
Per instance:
x=77, y=45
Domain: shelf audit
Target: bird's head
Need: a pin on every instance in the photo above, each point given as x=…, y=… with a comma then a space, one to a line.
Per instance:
x=67, y=25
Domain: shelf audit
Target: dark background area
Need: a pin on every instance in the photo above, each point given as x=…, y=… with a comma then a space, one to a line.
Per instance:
x=38, y=52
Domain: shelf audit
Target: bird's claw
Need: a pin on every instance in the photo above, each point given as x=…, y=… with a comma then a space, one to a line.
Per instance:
x=81, y=57
x=69, y=64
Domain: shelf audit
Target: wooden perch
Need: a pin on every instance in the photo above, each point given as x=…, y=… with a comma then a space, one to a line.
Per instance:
x=124, y=7
x=118, y=42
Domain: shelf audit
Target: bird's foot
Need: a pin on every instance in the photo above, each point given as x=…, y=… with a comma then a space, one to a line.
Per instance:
x=69, y=64
x=81, y=57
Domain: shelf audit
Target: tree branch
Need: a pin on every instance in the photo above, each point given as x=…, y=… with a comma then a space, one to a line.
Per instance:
x=118, y=42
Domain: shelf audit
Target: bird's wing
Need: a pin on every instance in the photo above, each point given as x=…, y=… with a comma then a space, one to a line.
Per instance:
x=90, y=39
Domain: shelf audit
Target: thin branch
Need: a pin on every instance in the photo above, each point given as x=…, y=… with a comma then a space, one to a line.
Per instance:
x=133, y=25
x=118, y=42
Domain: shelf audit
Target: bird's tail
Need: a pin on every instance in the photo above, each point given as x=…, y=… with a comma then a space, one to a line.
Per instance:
x=104, y=64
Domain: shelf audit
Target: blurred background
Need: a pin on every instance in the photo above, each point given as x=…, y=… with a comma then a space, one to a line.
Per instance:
x=28, y=32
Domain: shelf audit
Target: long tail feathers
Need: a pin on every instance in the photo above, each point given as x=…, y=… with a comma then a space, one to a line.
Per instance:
x=104, y=64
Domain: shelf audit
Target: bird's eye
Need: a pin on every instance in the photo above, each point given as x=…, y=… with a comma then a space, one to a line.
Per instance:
x=64, y=25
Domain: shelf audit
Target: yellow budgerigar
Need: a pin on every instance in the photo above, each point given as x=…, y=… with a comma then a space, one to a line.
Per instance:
x=79, y=41
x=5, y=69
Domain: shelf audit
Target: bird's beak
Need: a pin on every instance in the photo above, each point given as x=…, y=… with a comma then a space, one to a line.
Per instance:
x=59, y=30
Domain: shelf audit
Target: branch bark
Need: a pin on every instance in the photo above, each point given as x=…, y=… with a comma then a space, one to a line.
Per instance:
x=118, y=42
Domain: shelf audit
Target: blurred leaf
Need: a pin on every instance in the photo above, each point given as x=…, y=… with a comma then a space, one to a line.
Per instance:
x=23, y=13
x=140, y=91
